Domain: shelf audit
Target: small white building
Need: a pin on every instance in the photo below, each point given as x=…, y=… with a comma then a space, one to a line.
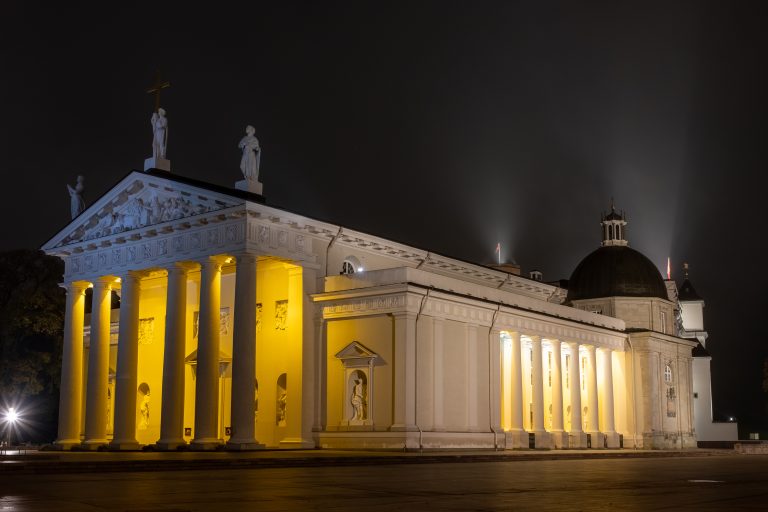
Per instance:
x=251, y=326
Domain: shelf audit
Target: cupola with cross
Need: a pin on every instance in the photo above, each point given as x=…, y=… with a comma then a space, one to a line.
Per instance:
x=614, y=227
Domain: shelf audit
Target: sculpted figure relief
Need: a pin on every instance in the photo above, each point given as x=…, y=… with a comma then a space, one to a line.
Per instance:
x=138, y=213
x=76, y=202
x=249, y=163
x=160, y=133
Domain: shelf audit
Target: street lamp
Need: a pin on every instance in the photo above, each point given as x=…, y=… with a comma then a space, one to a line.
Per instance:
x=11, y=416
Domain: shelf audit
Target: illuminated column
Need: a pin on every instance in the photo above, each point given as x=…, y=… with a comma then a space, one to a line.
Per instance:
x=71, y=394
x=244, y=356
x=494, y=347
x=557, y=395
x=321, y=362
x=608, y=426
x=517, y=383
x=127, y=364
x=98, y=365
x=172, y=414
x=439, y=379
x=302, y=282
x=405, y=373
x=207, y=380
x=308, y=355
x=592, y=416
x=575, y=384
x=538, y=386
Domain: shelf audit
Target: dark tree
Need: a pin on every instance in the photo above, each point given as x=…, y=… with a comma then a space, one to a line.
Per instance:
x=31, y=329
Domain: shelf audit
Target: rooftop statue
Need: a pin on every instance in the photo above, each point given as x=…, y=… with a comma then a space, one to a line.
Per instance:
x=160, y=133
x=249, y=163
x=76, y=202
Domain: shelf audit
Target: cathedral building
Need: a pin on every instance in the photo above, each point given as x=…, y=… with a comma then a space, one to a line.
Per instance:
x=244, y=326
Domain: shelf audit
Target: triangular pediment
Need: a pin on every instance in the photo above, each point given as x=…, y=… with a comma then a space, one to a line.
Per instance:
x=356, y=350
x=140, y=200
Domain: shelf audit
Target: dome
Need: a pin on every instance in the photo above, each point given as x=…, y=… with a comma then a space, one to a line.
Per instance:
x=615, y=271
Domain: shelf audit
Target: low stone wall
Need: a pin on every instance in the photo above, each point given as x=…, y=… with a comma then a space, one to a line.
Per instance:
x=751, y=447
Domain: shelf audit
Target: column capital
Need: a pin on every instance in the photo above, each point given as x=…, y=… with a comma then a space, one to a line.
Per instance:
x=182, y=267
x=107, y=282
x=76, y=287
x=241, y=256
x=131, y=275
x=605, y=350
x=535, y=339
x=217, y=261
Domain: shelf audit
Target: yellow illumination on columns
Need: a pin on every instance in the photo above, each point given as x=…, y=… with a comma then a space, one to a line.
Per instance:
x=98, y=364
x=244, y=355
x=127, y=364
x=70, y=399
x=208, y=349
x=538, y=385
x=557, y=395
x=172, y=413
x=592, y=409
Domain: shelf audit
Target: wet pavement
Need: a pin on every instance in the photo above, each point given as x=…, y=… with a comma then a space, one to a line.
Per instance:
x=378, y=482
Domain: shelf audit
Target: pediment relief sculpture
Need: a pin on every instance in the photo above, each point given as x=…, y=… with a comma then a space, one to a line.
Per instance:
x=139, y=206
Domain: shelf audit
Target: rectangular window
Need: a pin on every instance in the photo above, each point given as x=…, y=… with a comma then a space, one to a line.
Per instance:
x=567, y=371
x=583, y=373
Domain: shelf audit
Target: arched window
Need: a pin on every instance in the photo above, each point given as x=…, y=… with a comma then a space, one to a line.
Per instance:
x=350, y=265
x=347, y=268
x=610, y=232
x=667, y=374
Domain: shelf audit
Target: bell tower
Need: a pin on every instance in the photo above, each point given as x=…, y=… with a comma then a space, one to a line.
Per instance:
x=614, y=227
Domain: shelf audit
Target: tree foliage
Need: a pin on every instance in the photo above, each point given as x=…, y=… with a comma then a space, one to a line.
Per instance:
x=31, y=329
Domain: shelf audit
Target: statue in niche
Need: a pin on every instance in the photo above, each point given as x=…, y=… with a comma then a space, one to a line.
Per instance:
x=281, y=315
x=160, y=133
x=144, y=407
x=109, y=406
x=256, y=401
x=249, y=163
x=259, y=308
x=76, y=202
x=282, y=401
x=358, y=400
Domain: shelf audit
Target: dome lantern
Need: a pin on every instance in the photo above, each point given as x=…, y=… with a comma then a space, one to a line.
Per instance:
x=614, y=228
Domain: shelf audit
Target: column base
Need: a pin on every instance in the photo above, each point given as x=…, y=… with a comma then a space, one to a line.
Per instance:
x=167, y=445
x=400, y=427
x=543, y=440
x=244, y=445
x=202, y=445
x=93, y=444
x=577, y=440
x=297, y=443
x=611, y=440
x=595, y=440
x=66, y=444
x=559, y=439
x=516, y=439
x=127, y=445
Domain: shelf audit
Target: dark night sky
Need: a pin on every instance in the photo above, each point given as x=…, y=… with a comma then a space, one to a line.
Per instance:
x=432, y=124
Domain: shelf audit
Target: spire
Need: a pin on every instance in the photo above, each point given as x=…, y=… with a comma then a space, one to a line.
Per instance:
x=687, y=291
x=614, y=228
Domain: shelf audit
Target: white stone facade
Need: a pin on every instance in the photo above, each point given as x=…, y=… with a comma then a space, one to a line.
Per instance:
x=273, y=329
